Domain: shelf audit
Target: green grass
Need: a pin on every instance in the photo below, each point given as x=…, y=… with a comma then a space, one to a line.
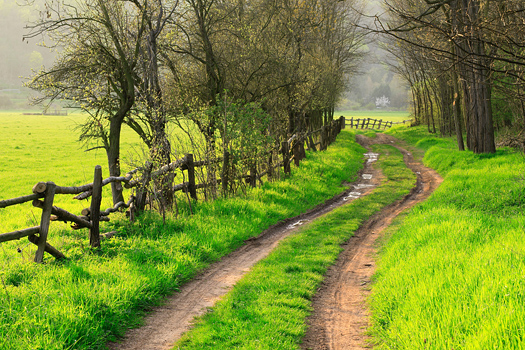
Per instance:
x=268, y=307
x=452, y=273
x=45, y=148
x=389, y=116
x=93, y=297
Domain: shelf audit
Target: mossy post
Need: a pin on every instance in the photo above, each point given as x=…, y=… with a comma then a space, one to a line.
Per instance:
x=96, y=200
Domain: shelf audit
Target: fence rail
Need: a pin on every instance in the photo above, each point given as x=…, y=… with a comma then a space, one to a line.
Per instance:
x=290, y=150
x=370, y=123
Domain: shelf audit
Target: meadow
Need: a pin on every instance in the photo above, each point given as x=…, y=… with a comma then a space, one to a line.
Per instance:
x=45, y=148
x=54, y=306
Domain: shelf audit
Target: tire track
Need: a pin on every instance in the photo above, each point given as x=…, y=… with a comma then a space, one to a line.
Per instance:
x=166, y=324
x=341, y=316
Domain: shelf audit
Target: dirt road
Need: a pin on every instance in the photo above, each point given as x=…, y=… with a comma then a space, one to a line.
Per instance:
x=340, y=316
x=166, y=324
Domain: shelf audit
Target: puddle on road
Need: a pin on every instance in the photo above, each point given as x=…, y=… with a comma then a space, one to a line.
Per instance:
x=372, y=157
x=296, y=224
x=352, y=195
x=363, y=185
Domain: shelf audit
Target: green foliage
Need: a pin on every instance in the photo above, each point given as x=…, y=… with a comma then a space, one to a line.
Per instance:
x=268, y=307
x=450, y=274
x=244, y=126
x=94, y=296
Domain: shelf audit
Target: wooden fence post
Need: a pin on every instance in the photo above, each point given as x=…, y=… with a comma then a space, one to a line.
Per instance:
x=45, y=221
x=343, y=122
x=191, y=176
x=286, y=157
x=225, y=172
x=379, y=126
x=363, y=123
x=311, y=143
x=270, y=166
x=323, y=141
x=96, y=200
x=253, y=174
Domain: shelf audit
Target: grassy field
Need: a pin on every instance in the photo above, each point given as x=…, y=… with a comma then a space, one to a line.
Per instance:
x=45, y=148
x=268, y=307
x=393, y=116
x=94, y=296
x=452, y=272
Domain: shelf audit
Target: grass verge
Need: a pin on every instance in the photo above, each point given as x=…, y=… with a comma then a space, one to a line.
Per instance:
x=451, y=274
x=95, y=296
x=268, y=307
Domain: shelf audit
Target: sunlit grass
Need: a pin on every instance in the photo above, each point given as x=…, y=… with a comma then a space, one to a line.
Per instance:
x=94, y=296
x=267, y=309
x=45, y=148
x=451, y=273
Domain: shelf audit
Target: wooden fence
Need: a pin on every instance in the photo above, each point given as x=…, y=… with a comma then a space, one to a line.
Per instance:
x=45, y=192
x=369, y=123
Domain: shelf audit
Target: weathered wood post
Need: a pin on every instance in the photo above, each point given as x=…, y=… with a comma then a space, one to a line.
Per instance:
x=45, y=220
x=142, y=190
x=285, y=150
x=379, y=126
x=270, y=166
x=191, y=176
x=374, y=124
x=311, y=143
x=302, y=148
x=363, y=123
x=322, y=138
x=343, y=122
x=253, y=174
x=295, y=152
x=96, y=200
x=225, y=172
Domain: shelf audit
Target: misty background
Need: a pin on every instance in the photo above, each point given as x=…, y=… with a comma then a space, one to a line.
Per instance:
x=373, y=86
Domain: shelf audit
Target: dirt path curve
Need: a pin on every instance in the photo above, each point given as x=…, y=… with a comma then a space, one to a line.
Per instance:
x=167, y=323
x=340, y=315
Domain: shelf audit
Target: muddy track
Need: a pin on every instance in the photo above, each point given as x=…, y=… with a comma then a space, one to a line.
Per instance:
x=165, y=325
x=340, y=316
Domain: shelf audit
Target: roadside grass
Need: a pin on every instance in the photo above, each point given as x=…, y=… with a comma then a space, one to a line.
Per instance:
x=267, y=309
x=389, y=116
x=451, y=273
x=93, y=297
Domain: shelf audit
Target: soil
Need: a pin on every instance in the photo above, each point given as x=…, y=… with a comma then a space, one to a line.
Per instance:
x=340, y=313
x=341, y=316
